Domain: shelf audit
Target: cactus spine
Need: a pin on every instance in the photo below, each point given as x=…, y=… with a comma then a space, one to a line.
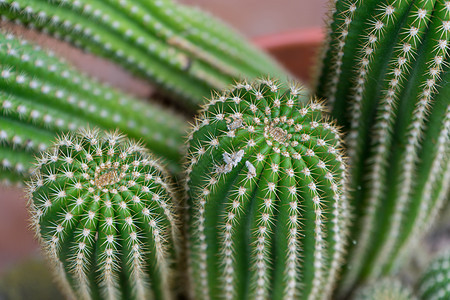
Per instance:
x=40, y=96
x=435, y=283
x=102, y=208
x=158, y=40
x=265, y=194
x=387, y=289
x=385, y=74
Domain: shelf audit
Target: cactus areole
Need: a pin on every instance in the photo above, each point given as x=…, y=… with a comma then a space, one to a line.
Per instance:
x=102, y=209
x=264, y=179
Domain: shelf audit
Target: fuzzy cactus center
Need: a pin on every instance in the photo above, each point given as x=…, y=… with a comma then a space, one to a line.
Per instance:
x=106, y=177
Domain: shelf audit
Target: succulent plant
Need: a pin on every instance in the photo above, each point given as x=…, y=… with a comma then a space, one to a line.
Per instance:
x=385, y=74
x=435, y=283
x=386, y=289
x=179, y=48
x=40, y=95
x=265, y=178
x=103, y=209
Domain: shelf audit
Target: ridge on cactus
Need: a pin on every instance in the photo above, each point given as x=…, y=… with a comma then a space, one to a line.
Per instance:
x=386, y=289
x=435, y=283
x=180, y=49
x=385, y=74
x=103, y=210
x=41, y=96
x=267, y=211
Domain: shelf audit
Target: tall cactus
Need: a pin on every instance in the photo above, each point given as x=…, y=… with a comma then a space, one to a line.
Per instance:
x=435, y=283
x=385, y=74
x=181, y=49
x=386, y=289
x=41, y=95
x=103, y=210
x=265, y=194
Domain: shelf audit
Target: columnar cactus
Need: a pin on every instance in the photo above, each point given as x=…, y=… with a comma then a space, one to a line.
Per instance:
x=387, y=289
x=265, y=180
x=435, y=284
x=103, y=210
x=385, y=76
x=40, y=96
x=159, y=40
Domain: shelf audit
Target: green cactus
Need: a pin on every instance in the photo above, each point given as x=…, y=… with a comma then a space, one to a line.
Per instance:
x=103, y=210
x=265, y=181
x=385, y=74
x=41, y=95
x=387, y=289
x=435, y=283
x=182, y=50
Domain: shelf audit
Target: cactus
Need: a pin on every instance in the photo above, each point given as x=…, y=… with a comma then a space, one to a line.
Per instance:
x=387, y=289
x=265, y=180
x=435, y=283
x=41, y=95
x=385, y=74
x=162, y=41
x=103, y=210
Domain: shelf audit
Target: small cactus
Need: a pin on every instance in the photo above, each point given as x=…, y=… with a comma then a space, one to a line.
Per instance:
x=435, y=283
x=103, y=210
x=40, y=96
x=385, y=74
x=387, y=289
x=265, y=180
x=181, y=49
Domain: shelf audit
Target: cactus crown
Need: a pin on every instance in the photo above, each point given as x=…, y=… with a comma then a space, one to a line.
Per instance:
x=265, y=178
x=386, y=289
x=102, y=208
x=435, y=283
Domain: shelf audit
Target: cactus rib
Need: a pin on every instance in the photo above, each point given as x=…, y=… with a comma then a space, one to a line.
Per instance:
x=102, y=208
x=265, y=188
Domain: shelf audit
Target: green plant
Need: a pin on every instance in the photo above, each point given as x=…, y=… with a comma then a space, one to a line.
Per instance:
x=40, y=95
x=435, y=283
x=265, y=181
x=103, y=209
x=181, y=49
x=387, y=289
x=385, y=74
x=266, y=212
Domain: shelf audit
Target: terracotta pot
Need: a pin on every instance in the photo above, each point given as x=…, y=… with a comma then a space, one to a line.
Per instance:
x=296, y=50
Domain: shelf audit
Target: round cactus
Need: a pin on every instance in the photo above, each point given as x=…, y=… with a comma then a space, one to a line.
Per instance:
x=265, y=192
x=435, y=284
x=103, y=210
x=386, y=289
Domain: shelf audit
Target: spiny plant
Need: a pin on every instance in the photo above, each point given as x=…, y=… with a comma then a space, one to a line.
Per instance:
x=435, y=283
x=181, y=49
x=103, y=210
x=387, y=289
x=267, y=212
x=385, y=74
x=40, y=95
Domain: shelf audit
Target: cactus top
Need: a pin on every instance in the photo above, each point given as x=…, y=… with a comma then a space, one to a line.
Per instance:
x=264, y=185
x=102, y=209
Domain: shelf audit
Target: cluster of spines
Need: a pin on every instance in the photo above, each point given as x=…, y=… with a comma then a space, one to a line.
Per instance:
x=386, y=289
x=266, y=165
x=435, y=283
x=384, y=76
x=103, y=210
x=41, y=95
x=170, y=46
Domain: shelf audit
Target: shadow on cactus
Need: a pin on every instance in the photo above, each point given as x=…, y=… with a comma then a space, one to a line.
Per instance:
x=265, y=178
x=103, y=209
